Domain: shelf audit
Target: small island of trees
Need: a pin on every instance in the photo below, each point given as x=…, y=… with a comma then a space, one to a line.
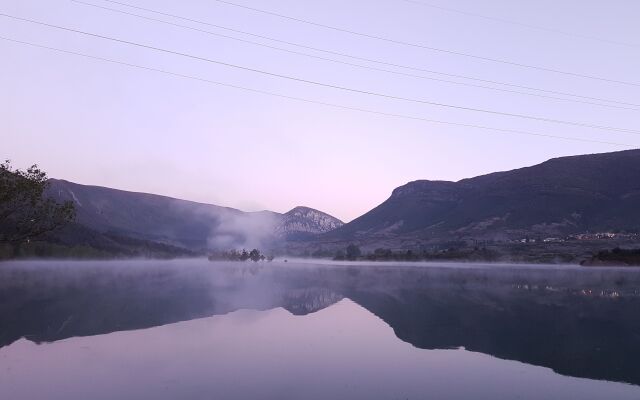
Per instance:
x=235, y=255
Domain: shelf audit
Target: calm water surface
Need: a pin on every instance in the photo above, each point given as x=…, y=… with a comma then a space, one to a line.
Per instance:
x=200, y=330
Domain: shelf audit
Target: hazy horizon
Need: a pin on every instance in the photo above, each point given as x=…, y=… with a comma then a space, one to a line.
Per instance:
x=105, y=124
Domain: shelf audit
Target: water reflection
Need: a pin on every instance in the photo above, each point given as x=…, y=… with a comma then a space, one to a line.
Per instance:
x=580, y=323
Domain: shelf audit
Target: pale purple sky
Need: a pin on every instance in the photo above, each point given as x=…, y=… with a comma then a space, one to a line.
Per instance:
x=97, y=123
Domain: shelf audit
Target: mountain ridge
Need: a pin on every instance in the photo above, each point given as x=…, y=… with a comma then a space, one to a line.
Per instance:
x=595, y=192
x=559, y=197
x=183, y=223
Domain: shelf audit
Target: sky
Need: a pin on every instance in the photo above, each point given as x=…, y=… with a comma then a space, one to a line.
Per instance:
x=100, y=123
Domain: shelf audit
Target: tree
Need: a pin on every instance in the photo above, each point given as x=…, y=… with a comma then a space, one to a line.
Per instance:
x=26, y=213
x=353, y=252
x=254, y=255
x=382, y=253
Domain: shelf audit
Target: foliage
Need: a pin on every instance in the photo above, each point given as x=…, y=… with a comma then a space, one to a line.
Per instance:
x=255, y=255
x=322, y=253
x=339, y=255
x=353, y=252
x=25, y=212
x=618, y=256
x=234, y=255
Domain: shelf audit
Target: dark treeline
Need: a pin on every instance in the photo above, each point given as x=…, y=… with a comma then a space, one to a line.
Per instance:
x=353, y=253
x=235, y=255
x=616, y=256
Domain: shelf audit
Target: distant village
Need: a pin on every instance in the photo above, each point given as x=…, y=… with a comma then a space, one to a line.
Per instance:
x=581, y=237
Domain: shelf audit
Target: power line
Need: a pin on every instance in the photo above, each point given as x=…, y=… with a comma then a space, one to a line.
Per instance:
x=348, y=63
x=315, y=83
x=417, y=45
x=411, y=68
x=522, y=24
x=333, y=105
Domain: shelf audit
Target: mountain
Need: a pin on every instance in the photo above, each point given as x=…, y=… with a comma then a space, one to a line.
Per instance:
x=589, y=193
x=181, y=223
x=562, y=196
x=302, y=222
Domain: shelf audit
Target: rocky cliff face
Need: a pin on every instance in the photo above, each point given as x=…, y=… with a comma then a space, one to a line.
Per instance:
x=306, y=221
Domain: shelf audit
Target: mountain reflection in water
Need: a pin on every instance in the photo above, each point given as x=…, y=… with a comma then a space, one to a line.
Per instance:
x=578, y=322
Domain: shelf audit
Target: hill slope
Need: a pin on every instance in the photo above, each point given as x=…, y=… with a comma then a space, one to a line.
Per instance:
x=182, y=223
x=599, y=192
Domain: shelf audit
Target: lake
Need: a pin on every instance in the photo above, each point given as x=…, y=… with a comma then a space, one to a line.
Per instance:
x=193, y=329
